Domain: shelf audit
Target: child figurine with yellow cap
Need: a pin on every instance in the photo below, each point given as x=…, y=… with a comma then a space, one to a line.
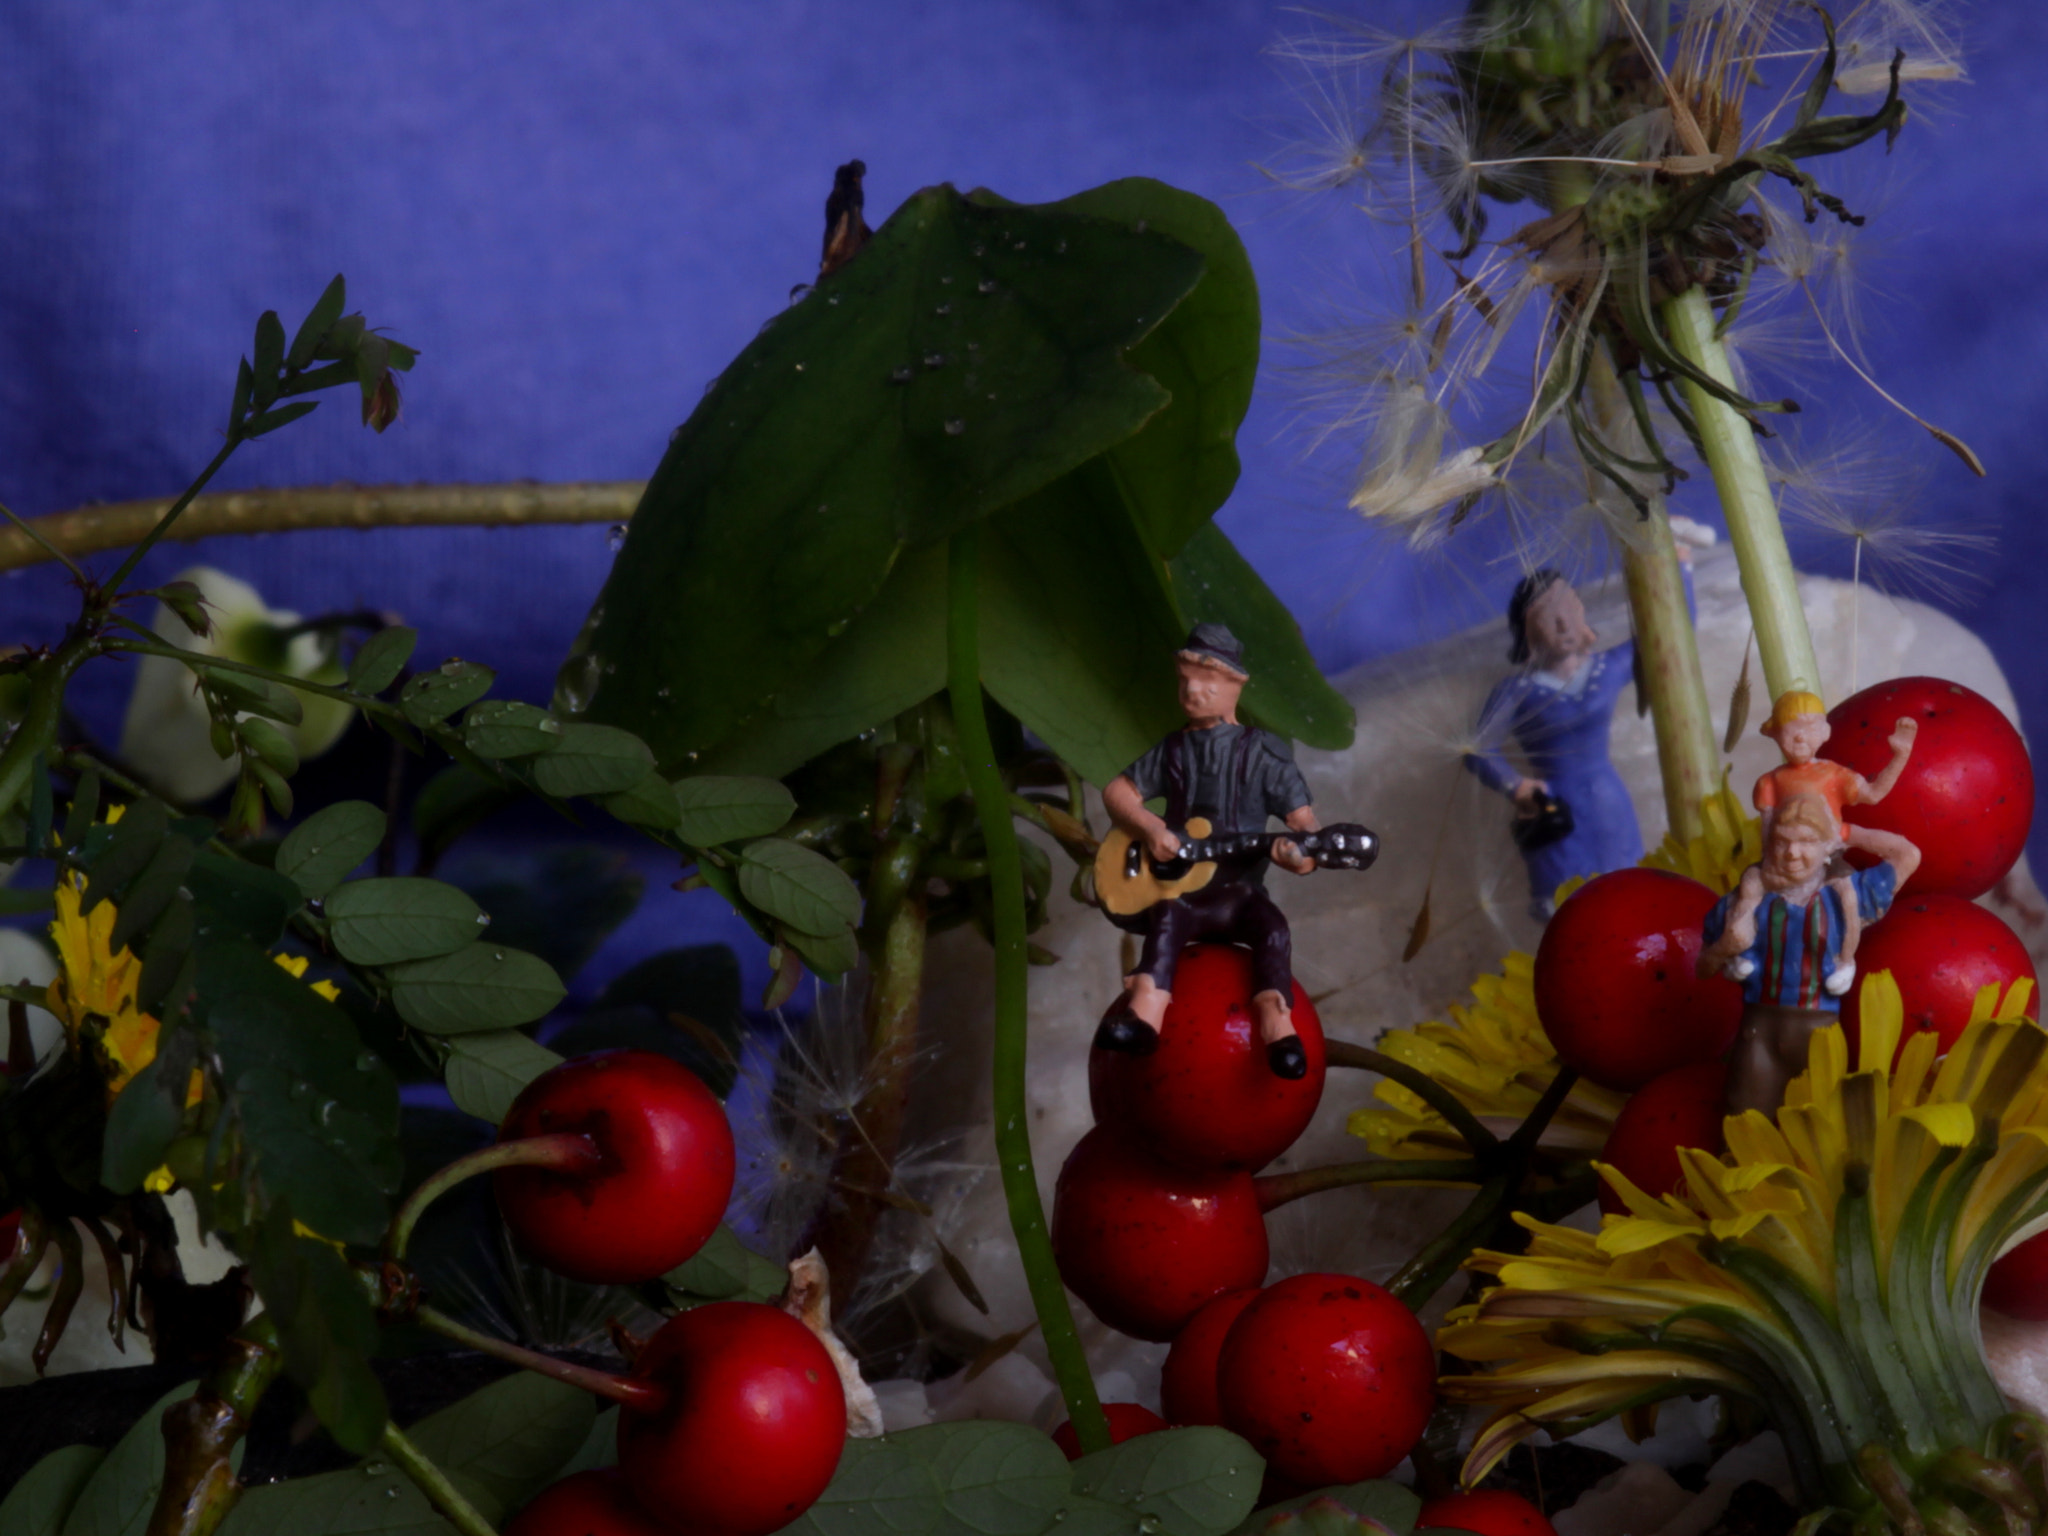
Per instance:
x=1799, y=725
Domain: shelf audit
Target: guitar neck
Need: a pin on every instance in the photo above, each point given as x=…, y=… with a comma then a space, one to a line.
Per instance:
x=1344, y=843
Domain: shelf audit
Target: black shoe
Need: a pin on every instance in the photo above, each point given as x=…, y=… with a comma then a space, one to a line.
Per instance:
x=1287, y=1058
x=1122, y=1030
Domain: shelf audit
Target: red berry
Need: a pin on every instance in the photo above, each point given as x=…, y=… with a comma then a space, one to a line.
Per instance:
x=1206, y=1098
x=1187, y=1382
x=1146, y=1245
x=1966, y=798
x=585, y=1504
x=1615, y=988
x=1329, y=1377
x=753, y=1427
x=1486, y=1511
x=2017, y=1283
x=1940, y=950
x=1125, y=1421
x=661, y=1188
x=1679, y=1108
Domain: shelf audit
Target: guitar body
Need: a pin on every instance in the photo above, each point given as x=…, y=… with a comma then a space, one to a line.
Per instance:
x=1125, y=882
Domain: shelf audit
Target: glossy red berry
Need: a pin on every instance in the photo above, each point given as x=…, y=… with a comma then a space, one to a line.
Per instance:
x=1187, y=1382
x=753, y=1426
x=1125, y=1421
x=1966, y=798
x=1486, y=1512
x=1329, y=1377
x=1940, y=950
x=661, y=1188
x=1206, y=1097
x=585, y=1504
x=2017, y=1283
x=1146, y=1245
x=1615, y=989
x=1679, y=1108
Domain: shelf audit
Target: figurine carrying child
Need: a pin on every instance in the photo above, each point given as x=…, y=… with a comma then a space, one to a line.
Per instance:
x=1799, y=725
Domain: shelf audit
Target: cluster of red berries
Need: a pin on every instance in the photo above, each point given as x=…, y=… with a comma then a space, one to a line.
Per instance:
x=1157, y=1226
x=1615, y=987
x=747, y=1420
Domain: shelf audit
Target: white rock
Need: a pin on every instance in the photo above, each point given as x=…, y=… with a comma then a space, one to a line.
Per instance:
x=1638, y=1500
x=904, y=1405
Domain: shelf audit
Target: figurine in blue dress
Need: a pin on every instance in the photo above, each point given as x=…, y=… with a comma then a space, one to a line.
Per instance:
x=1573, y=812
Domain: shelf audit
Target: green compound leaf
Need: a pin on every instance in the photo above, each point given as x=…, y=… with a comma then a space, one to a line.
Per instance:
x=1193, y=1482
x=859, y=421
x=120, y=1490
x=384, y=921
x=318, y=854
x=234, y=899
x=325, y=1325
x=483, y=987
x=593, y=760
x=497, y=728
x=353, y=1502
x=997, y=1479
x=725, y=1269
x=432, y=697
x=485, y=1071
x=880, y=1489
x=381, y=658
x=805, y=889
x=38, y=1503
x=650, y=803
x=721, y=808
x=504, y=1444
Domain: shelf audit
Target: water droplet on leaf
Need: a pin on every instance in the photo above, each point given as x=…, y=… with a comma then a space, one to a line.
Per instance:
x=986, y=285
x=935, y=359
x=955, y=426
x=900, y=376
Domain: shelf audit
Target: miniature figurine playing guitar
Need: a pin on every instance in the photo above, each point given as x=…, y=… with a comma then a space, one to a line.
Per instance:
x=1221, y=781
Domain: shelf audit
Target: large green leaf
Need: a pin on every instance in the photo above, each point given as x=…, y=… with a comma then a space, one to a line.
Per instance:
x=1212, y=582
x=38, y=1503
x=486, y=1071
x=484, y=987
x=121, y=1490
x=968, y=356
x=384, y=921
x=1177, y=471
x=325, y=1326
x=997, y=1479
x=1193, y=1482
x=319, y=1113
x=880, y=1489
x=355, y=1502
x=1078, y=633
x=504, y=1444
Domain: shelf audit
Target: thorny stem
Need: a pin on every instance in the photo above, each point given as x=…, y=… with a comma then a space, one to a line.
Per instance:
x=569, y=1151
x=170, y=515
x=641, y=1396
x=1343, y=1053
x=201, y=1432
x=1006, y=877
x=1729, y=441
x=441, y=1492
x=1277, y=1189
x=93, y=530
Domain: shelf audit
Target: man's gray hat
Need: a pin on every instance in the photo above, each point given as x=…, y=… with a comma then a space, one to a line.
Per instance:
x=1214, y=642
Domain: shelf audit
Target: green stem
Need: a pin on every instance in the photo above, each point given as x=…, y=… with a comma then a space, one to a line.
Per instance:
x=37, y=732
x=641, y=1396
x=1277, y=1189
x=1006, y=877
x=1343, y=1053
x=1424, y=1275
x=1729, y=441
x=173, y=512
x=568, y=1151
x=201, y=1433
x=201, y=661
x=441, y=1492
x=94, y=530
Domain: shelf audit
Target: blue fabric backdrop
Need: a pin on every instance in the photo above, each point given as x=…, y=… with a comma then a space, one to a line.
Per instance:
x=579, y=213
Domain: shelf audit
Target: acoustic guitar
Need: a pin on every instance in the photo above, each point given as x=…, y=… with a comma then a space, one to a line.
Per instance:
x=1128, y=880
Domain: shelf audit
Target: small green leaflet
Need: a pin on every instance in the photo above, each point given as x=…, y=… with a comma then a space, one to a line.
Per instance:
x=593, y=760
x=722, y=808
x=482, y=987
x=384, y=921
x=381, y=658
x=497, y=728
x=650, y=803
x=318, y=854
x=486, y=1070
x=432, y=697
x=805, y=889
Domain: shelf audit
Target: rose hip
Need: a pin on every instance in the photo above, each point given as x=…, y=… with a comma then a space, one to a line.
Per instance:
x=1940, y=950
x=1679, y=1108
x=1187, y=1382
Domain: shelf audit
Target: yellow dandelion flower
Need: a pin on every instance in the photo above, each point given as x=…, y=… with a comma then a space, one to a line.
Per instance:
x=93, y=993
x=1826, y=1269
x=1733, y=841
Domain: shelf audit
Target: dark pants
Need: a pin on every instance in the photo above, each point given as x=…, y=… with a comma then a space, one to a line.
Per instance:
x=1226, y=910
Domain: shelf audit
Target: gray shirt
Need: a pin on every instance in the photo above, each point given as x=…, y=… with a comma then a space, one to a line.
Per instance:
x=1235, y=775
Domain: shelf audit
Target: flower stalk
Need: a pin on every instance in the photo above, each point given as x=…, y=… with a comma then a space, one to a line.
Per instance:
x=566, y=1152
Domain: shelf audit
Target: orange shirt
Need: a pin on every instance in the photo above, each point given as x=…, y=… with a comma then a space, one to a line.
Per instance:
x=1827, y=781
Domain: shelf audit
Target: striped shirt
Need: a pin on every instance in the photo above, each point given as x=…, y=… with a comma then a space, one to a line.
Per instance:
x=1796, y=946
